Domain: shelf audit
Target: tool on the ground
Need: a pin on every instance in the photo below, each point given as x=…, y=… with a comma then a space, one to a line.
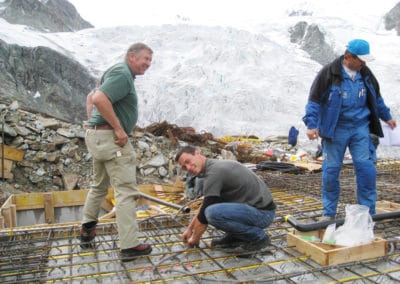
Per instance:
x=308, y=227
x=184, y=209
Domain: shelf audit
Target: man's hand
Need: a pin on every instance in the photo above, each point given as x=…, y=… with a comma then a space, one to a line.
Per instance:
x=193, y=233
x=391, y=123
x=186, y=235
x=121, y=138
x=312, y=134
x=196, y=234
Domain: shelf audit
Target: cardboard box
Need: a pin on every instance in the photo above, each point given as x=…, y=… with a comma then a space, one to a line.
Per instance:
x=326, y=254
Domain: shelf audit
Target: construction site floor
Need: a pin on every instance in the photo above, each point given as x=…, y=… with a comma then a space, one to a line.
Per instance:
x=51, y=254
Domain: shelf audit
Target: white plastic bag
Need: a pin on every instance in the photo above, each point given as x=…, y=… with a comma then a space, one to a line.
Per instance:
x=358, y=228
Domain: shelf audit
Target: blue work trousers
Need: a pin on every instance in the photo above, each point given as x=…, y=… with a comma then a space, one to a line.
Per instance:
x=362, y=151
x=241, y=221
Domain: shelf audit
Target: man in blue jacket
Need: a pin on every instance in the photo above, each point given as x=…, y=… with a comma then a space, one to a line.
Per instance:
x=344, y=107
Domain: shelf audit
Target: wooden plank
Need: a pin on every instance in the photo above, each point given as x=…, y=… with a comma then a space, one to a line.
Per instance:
x=1, y=222
x=6, y=213
x=308, y=248
x=7, y=165
x=27, y=201
x=374, y=249
x=70, y=197
x=13, y=211
x=9, y=201
x=384, y=206
x=308, y=166
x=159, y=191
x=48, y=207
x=12, y=153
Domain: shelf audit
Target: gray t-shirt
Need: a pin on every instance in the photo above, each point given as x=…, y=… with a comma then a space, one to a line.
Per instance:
x=233, y=182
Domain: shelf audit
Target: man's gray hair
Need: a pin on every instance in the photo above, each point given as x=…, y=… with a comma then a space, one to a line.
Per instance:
x=136, y=48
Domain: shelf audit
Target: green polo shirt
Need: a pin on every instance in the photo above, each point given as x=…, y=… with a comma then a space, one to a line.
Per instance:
x=118, y=85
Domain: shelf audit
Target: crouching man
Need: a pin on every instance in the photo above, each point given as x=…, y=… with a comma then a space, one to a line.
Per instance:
x=236, y=201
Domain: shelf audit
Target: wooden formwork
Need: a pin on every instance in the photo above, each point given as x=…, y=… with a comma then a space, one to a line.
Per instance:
x=327, y=254
x=47, y=202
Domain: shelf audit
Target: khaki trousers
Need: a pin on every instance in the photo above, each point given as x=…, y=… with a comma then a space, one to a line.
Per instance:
x=115, y=166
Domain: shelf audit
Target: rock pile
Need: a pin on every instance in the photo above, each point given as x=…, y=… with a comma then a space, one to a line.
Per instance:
x=56, y=157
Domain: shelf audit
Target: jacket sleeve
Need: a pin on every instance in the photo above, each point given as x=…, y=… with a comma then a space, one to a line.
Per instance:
x=382, y=109
x=317, y=91
x=312, y=114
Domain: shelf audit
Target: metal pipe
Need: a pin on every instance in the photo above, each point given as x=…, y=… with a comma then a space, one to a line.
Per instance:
x=184, y=209
x=307, y=227
x=2, y=144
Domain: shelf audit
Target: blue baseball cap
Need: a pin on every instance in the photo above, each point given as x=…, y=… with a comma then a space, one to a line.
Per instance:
x=360, y=48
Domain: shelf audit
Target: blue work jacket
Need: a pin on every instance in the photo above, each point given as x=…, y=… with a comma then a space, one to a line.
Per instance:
x=325, y=100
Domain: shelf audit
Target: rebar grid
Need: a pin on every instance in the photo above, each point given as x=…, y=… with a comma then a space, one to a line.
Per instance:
x=387, y=183
x=53, y=255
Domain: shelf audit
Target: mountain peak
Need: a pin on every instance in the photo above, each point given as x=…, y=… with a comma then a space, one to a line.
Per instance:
x=45, y=16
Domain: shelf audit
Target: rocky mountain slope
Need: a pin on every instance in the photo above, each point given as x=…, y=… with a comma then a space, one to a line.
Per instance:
x=47, y=80
x=45, y=16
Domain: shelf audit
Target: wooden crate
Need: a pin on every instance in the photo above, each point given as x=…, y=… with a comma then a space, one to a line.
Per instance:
x=326, y=254
x=384, y=206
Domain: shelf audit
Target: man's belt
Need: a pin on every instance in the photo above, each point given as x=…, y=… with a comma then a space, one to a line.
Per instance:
x=100, y=127
x=270, y=206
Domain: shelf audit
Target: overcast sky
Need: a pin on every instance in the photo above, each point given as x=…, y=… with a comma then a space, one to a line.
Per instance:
x=103, y=13
x=130, y=12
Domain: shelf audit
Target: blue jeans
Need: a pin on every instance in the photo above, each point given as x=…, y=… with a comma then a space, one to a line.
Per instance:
x=241, y=221
x=362, y=151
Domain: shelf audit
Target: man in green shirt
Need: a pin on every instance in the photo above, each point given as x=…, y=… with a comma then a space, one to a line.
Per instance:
x=113, y=114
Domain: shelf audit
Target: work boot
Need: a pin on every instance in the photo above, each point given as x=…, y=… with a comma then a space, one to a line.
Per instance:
x=251, y=248
x=88, y=233
x=256, y=245
x=132, y=253
x=227, y=241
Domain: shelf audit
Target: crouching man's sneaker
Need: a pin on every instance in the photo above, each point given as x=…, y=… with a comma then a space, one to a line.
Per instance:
x=87, y=235
x=132, y=253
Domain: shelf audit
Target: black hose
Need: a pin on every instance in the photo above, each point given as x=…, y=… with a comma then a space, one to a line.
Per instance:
x=307, y=227
x=184, y=209
x=278, y=166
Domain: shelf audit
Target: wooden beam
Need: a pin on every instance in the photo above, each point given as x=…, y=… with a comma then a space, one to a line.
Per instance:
x=7, y=165
x=12, y=153
x=35, y=200
x=159, y=191
x=13, y=209
x=48, y=207
x=10, y=216
x=9, y=201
